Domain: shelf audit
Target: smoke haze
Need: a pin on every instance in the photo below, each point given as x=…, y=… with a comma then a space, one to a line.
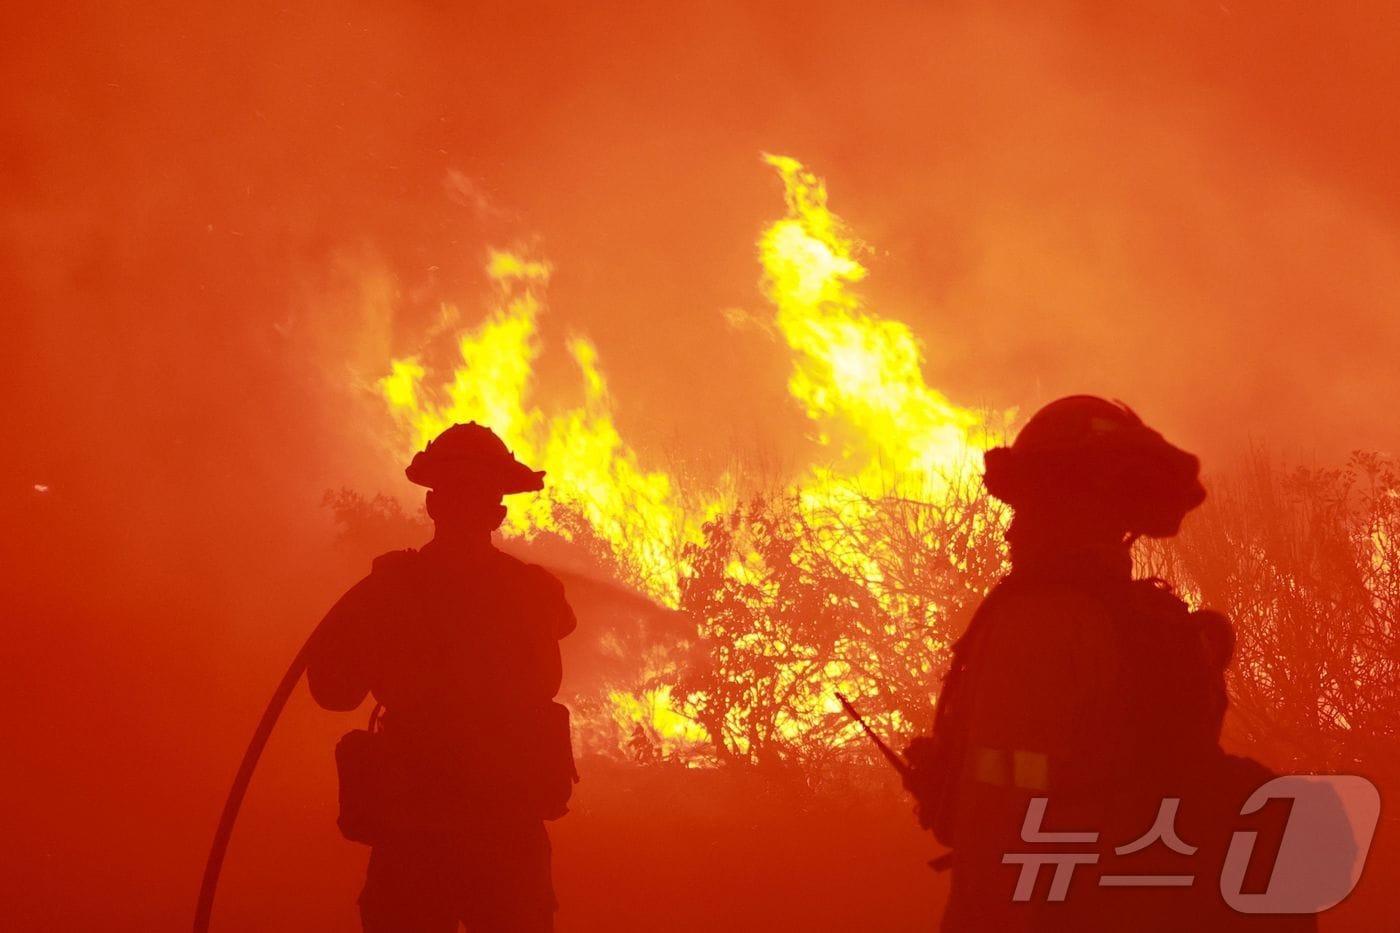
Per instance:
x=220, y=222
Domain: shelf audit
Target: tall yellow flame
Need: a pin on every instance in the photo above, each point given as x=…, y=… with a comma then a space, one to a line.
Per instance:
x=851, y=365
x=593, y=475
x=858, y=377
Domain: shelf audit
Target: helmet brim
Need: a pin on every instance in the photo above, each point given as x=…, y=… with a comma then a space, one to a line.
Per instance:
x=507, y=479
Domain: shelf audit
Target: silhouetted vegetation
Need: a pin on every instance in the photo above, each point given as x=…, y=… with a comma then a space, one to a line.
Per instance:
x=785, y=600
x=1305, y=562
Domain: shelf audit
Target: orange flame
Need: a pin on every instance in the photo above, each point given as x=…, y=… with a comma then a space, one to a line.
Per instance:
x=857, y=375
x=592, y=473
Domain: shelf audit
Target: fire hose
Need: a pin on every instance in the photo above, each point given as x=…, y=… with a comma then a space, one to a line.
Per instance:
x=574, y=581
x=205, y=906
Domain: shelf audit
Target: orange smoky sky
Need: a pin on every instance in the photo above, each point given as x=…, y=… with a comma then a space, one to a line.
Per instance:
x=220, y=221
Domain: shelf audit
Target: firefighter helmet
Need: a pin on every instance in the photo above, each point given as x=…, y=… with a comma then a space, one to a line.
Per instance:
x=1097, y=454
x=472, y=455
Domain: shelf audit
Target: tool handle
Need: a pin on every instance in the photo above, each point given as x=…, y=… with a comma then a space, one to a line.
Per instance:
x=893, y=757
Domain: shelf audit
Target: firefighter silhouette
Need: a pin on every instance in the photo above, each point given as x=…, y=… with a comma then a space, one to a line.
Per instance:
x=466, y=754
x=1098, y=695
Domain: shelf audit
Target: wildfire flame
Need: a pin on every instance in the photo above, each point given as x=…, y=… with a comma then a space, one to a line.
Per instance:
x=851, y=365
x=593, y=475
x=857, y=376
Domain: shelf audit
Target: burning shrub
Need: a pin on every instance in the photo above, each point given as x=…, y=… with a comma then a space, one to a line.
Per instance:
x=859, y=573
x=792, y=603
x=782, y=602
x=1306, y=565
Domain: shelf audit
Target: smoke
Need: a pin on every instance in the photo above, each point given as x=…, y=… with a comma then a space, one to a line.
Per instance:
x=1056, y=201
x=221, y=220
